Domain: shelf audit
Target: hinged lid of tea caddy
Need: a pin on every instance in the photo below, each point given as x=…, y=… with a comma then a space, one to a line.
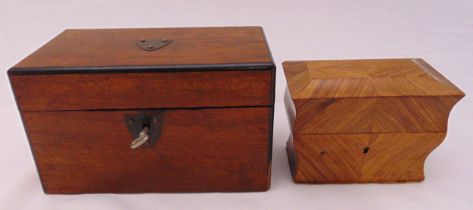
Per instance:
x=365, y=78
x=369, y=96
x=85, y=69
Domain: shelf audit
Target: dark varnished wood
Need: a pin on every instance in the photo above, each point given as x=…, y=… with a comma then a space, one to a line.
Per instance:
x=365, y=120
x=215, y=86
x=143, y=90
x=200, y=150
x=75, y=48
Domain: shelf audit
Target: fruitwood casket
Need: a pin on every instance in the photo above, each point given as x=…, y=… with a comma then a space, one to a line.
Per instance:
x=365, y=120
x=197, y=103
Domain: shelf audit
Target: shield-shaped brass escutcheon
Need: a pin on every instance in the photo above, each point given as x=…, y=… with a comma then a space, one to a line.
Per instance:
x=150, y=45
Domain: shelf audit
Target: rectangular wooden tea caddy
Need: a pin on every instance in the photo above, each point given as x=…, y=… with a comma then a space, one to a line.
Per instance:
x=365, y=120
x=149, y=110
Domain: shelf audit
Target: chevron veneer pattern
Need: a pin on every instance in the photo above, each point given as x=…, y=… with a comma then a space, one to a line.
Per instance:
x=365, y=120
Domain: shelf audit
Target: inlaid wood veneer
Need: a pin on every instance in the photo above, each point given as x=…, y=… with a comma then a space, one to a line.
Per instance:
x=365, y=120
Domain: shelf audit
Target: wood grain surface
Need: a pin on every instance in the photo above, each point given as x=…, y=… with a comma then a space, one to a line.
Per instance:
x=200, y=150
x=365, y=120
x=344, y=158
x=143, y=90
x=365, y=78
x=374, y=115
x=215, y=86
x=117, y=47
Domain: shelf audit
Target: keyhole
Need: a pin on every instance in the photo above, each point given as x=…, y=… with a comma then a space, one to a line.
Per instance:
x=365, y=150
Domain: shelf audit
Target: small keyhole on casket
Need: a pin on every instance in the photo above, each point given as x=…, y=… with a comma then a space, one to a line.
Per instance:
x=365, y=150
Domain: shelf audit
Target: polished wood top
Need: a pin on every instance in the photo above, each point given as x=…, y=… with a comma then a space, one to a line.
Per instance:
x=84, y=48
x=365, y=78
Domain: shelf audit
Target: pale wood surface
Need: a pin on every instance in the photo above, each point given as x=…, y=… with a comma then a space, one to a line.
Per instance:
x=342, y=158
x=374, y=115
x=365, y=120
x=365, y=78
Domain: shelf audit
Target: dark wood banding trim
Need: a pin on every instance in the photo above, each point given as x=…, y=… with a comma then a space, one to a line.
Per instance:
x=141, y=69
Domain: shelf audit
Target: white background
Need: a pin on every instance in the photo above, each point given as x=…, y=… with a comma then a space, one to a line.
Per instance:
x=441, y=32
